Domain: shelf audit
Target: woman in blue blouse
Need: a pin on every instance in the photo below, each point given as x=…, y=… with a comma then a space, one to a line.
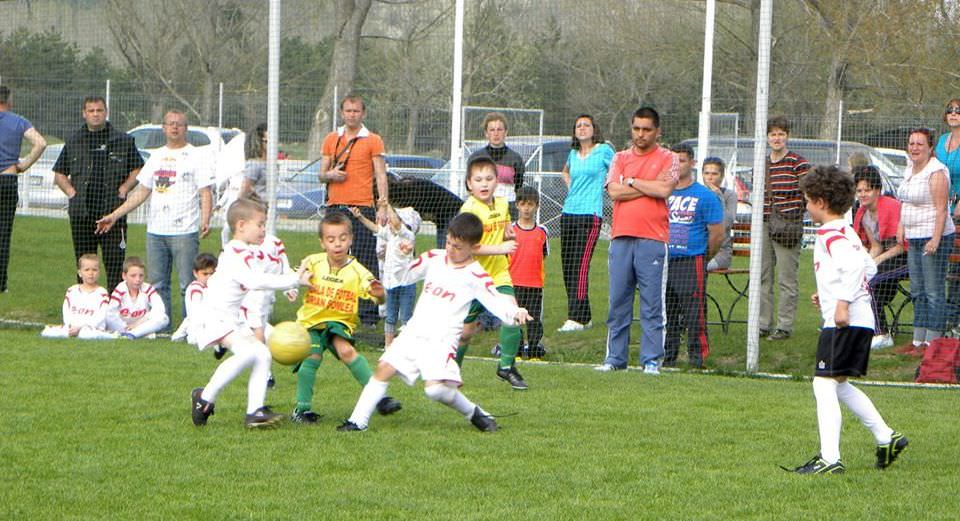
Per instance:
x=584, y=173
x=948, y=152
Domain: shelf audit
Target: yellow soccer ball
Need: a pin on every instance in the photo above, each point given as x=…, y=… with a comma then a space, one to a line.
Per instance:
x=289, y=343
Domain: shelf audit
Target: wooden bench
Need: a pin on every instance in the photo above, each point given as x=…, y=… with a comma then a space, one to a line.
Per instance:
x=741, y=248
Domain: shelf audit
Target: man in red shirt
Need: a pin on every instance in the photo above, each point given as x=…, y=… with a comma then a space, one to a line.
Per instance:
x=639, y=182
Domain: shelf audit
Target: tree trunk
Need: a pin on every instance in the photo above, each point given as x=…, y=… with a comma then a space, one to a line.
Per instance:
x=836, y=82
x=413, y=118
x=350, y=16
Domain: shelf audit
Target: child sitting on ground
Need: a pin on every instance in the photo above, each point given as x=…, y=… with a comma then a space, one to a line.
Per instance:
x=136, y=309
x=203, y=267
x=84, y=306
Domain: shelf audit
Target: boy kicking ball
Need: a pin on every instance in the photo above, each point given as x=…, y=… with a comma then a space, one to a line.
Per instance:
x=842, y=267
x=427, y=346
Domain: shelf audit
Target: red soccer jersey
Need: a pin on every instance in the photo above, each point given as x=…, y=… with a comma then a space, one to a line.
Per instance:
x=526, y=264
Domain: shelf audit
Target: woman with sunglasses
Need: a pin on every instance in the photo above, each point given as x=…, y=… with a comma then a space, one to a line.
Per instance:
x=948, y=152
x=927, y=233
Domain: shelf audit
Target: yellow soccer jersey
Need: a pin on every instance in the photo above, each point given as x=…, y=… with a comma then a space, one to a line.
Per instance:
x=336, y=294
x=495, y=220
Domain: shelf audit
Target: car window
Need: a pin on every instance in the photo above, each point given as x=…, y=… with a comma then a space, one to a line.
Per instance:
x=197, y=138
x=148, y=138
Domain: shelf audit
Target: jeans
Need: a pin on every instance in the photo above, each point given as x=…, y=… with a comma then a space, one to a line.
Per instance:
x=162, y=252
x=928, y=288
x=399, y=305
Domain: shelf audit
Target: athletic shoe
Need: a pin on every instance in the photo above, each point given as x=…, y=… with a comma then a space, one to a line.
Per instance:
x=607, y=368
x=495, y=351
x=764, y=333
x=817, y=465
x=271, y=382
x=202, y=409
x=537, y=352
x=779, y=334
x=651, y=367
x=387, y=406
x=571, y=325
x=349, y=426
x=262, y=417
x=881, y=342
x=305, y=417
x=219, y=351
x=482, y=421
x=128, y=335
x=512, y=376
x=887, y=454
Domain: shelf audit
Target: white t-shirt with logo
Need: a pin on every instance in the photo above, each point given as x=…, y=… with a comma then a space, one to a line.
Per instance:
x=175, y=177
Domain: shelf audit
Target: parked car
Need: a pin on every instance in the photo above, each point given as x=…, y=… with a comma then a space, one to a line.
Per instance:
x=150, y=137
x=897, y=156
x=38, y=188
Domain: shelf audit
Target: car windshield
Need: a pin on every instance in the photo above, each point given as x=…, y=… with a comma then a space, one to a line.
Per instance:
x=153, y=138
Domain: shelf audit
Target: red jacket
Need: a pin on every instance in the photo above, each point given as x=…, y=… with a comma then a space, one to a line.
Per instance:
x=888, y=215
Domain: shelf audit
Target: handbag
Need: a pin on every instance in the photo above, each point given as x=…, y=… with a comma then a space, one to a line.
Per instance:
x=784, y=229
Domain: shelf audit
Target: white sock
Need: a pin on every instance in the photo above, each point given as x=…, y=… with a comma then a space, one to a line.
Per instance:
x=829, y=419
x=245, y=354
x=371, y=395
x=259, y=375
x=451, y=397
x=861, y=405
x=919, y=335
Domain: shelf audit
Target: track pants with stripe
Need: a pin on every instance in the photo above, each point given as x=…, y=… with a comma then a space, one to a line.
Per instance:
x=578, y=240
x=635, y=264
x=686, y=309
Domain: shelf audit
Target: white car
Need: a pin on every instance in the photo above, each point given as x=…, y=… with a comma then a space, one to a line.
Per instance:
x=150, y=137
x=37, y=189
x=898, y=157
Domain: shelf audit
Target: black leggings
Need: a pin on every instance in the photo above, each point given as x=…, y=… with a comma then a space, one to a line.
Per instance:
x=8, y=209
x=531, y=299
x=578, y=240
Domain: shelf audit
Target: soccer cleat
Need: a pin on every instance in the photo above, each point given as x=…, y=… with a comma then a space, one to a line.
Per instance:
x=888, y=453
x=271, y=382
x=780, y=334
x=349, y=426
x=305, y=417
x=262, y=417
x=201, y=409
x=881, y=342
x=483, y=421
x=128, y=335
x=817, y=465
x=607, y=368
x=651, y=367
x=512, y=376
x=219, y=351
x=387, y=406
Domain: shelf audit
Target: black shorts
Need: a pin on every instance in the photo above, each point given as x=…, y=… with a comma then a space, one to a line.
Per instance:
x=843, y=351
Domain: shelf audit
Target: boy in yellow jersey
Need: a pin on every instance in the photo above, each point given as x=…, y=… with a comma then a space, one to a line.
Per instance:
x=330, y=307
x=497, y=243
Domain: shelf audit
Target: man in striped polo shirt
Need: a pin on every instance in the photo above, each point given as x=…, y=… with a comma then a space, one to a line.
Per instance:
x=784, y=171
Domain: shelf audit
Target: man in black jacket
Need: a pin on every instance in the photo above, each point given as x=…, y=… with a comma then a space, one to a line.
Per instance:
x=96, y=170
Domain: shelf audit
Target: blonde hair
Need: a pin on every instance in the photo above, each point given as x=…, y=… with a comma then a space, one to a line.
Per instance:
x=243, y=209
x=133, y=262
x=88, y=256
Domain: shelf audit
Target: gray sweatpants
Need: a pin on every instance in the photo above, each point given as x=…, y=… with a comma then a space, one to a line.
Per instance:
x=636, y=264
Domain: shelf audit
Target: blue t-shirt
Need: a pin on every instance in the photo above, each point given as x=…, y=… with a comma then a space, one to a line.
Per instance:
x=587, y=177
x=12, y=128
x=691, y=210
x=952, y=160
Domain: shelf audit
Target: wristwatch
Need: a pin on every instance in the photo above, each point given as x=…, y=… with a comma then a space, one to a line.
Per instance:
x=630, y=182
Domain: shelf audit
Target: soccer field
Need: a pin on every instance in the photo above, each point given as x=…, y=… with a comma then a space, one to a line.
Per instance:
x=101, y=430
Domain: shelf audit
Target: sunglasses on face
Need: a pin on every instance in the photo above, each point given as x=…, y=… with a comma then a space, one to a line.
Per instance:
x=952, y=110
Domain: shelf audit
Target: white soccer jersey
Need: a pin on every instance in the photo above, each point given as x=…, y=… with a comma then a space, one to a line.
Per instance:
x=140, y=315
x=82, y=308
x=258, y=305
x=192, y=299
x=843, y=267
x=394, y=259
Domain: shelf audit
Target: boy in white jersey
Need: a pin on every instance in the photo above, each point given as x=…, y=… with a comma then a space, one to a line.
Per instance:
x=84, y=306
x=204, y=265
x=427, y=346
x=238, y=272
x=136, y=309
x=842, y=267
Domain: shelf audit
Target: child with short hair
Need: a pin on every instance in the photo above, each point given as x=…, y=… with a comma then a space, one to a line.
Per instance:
x=398, y=239
x=497, y=243
x=427, y=346
x=330, y=312
x=136, y=309
x=526, y=267
x=84, y=306
x=842, y=267
x=238, y=272
x=204, y=265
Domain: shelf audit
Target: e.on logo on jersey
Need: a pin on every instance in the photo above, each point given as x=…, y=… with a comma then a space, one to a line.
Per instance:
x=435, y=290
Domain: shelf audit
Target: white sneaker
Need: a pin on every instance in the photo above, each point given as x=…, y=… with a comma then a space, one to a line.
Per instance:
x=571, y=325
x=651, y=367
x=606, y=368
x=881, y=342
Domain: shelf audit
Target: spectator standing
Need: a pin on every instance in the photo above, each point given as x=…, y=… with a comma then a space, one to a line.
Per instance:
x=713, y=172
x=927, y=233
x=639, y=182
x=948, y=153
x=696, y=232
x=526, y=267
x=510, y=166
x=255, y=166
x=584, y=174
x=13, y=128
x=352, y=160
x=177, y=180
x=96, y=170
x=784, y=171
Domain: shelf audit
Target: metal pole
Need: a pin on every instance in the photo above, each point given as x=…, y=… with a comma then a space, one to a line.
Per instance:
x=703, y=135
x=757, y=230
x=456, y=106
x=106, y=98
x=273, y=112
x=839, y=129
x=336, y=97
x=220, y=110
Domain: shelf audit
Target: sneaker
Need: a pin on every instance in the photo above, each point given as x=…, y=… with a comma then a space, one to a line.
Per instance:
x=538, y=352
x=201, y=409
x=349, y=426
x=271, y=382
x=817, y=465
x=305, y=417
x=606, y=368
x=219, y=352
x=779, y=334
x=571, y=325
x=651, y=367
x=262, y=417
x=128, y=335
x=482, y=421
x=887, y=454
x=495, y=351
x=881, y=342
x=764, y=333
x=387, y=406
x=513, y=377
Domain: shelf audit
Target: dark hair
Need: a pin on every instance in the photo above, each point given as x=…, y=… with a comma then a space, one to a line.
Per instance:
x=528, y=193
x=254, y=147
x=868, y=174
x=243, y=209
x=336, y=218
x=648, y=113
x=831, y=185
x=714, y=160
x=4, y=94
x=466, y=227
x=681, y=148
x=475, y=162
x=597, y=137
x=922, y=130
x=204, y=261
x=954, y=102
x=780, y=122
x=353, y=98
x=93, y=99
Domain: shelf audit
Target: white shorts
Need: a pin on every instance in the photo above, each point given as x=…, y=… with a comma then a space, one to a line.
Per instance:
x=211, y=327
x=426, y=357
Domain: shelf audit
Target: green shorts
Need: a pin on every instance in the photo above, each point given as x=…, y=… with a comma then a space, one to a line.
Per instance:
x=321, y=339
x=476, y=308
